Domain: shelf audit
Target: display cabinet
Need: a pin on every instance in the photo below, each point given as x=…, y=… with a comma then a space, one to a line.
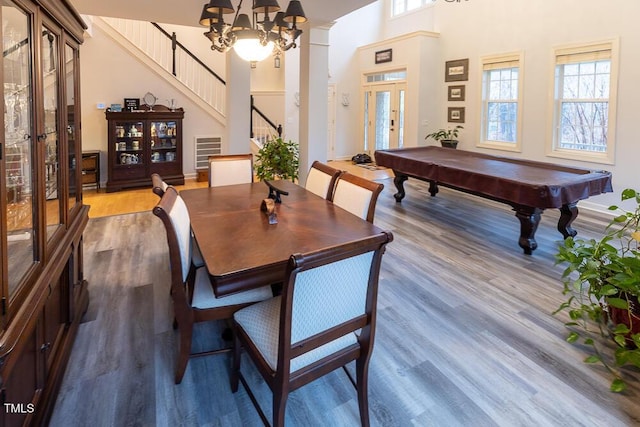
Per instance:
x=43, y=293
x=142, y=143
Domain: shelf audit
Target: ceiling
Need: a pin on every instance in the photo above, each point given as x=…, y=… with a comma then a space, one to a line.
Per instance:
x=187, y=12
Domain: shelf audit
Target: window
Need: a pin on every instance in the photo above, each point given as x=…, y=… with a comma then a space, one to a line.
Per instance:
x=584, y=102
x=399, y=7
x=501, y=104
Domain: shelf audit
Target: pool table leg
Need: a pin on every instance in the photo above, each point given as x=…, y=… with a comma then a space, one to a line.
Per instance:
x=529, y=219
x=399, y=183
x=568, y=212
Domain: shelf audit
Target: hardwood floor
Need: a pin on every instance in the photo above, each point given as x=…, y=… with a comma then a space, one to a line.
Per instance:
x=465, y=333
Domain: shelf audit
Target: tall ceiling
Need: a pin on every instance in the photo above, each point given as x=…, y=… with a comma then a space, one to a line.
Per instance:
x=187, y=12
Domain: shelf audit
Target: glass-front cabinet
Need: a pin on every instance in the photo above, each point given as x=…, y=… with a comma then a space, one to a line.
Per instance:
x=43, y=292
x=142, y=143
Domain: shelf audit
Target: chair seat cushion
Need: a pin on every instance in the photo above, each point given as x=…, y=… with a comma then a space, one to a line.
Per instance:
x=261, y=323
x=203, y=296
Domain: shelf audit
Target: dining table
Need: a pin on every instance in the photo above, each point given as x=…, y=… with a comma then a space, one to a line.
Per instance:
x=242, y=249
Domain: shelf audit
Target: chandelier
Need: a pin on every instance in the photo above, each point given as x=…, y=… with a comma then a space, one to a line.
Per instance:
x=253, y=40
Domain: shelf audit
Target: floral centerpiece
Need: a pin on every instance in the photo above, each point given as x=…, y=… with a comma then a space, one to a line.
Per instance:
x=602, y=280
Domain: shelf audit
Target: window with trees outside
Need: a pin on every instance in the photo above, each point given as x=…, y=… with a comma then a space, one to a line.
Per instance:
x=501, y=107
x=398, y=7
x=584, y=102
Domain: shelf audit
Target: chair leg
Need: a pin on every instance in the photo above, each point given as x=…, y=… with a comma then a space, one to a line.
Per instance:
x=186, y=333
x=279, y=407
x=362, y=378
x=235, y=368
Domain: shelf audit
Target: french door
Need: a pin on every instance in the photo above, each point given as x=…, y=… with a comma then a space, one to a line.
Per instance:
x=384, y=116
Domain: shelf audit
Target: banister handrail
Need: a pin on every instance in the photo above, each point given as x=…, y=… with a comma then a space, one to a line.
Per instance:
x=175, y=42
x=277, y=128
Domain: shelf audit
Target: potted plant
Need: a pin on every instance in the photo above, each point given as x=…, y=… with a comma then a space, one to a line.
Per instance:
x=602, y=280
x=447, y=137
x=278, y=159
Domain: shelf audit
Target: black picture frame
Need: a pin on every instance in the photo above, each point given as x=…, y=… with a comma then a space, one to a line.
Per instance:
x=455, y=115
x=131, y=104
x=456, y=93
x=456, y=70
x=384, y=56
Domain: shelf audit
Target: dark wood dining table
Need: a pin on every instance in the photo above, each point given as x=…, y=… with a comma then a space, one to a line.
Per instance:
x=242, y=250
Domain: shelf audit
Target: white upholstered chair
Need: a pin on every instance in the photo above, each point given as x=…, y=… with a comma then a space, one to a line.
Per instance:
x=230, y=169
x=191, y=290
x=321, y=179
x=357, y=195
x=324, y=319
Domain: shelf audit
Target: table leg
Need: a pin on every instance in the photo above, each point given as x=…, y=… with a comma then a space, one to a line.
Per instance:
x=568, y=212
x=433, y=188
x=529, y=219
x=399, y=183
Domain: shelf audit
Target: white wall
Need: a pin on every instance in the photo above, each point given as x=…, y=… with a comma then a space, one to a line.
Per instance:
x=475, y=28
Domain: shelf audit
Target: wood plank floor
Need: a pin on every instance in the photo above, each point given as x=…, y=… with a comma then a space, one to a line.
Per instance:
x=465, y=336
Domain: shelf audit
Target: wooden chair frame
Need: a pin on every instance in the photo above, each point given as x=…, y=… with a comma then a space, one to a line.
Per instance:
x=182, y=292
x=159, y=186
x=374, y=187
x=282, y=381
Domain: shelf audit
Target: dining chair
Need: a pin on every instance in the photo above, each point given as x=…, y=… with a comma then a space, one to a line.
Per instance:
x=321, y=179
x=191, y=290
x=324, y=319
x=159, y=186
x=230, y=169
x=357, y=195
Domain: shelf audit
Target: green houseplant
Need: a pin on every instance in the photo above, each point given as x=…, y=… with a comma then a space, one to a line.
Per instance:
x=602, y=281
x=278, y=159
x=447, y=137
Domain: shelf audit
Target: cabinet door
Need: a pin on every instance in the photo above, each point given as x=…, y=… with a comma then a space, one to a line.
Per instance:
x=72, y=136
x=50, y=135
x=20, y=207
x=129, y=159
x=164, y=147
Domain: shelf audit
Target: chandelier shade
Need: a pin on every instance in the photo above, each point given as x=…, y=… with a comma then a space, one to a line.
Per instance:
x=253, y=39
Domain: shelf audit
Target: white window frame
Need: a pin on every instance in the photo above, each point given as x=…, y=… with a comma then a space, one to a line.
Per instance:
x=505, y=60
x=590, y=52
x=392, y=9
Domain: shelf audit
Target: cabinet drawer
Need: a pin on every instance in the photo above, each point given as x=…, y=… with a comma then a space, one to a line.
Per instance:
x=123, y=173
x=89, y=177
x=89, y=162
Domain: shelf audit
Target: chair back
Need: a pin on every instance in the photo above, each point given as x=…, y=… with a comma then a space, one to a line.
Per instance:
x=330, y=294
x=321, y=179
x=230, y=169
x=357, y=195
x=173, y=212
x=159, y=186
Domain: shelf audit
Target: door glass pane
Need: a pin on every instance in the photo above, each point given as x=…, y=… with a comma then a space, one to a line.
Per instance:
x=71, y=124
x=401, y=118
x=18, y=152
x=366, y=123
x=383, y=119
x=52, y=173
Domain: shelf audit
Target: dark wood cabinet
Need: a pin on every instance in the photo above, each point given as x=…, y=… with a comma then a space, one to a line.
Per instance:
x=142, y=143
x=43, y=294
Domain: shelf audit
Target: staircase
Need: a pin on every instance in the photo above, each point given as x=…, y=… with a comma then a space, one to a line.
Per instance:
x=172, y=61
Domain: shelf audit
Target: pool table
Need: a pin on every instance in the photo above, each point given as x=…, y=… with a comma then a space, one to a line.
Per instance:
x=528, y=186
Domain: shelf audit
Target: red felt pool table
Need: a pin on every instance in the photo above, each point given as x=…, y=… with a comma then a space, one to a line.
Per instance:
x=528, y=186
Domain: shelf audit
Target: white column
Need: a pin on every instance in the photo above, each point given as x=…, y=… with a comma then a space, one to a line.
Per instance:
x=238, y=93
x=314, y=80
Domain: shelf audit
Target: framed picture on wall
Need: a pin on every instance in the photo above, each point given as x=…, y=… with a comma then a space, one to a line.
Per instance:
x=457, y=70
x=455, y=115
x=456, y=93
x=384, y=56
